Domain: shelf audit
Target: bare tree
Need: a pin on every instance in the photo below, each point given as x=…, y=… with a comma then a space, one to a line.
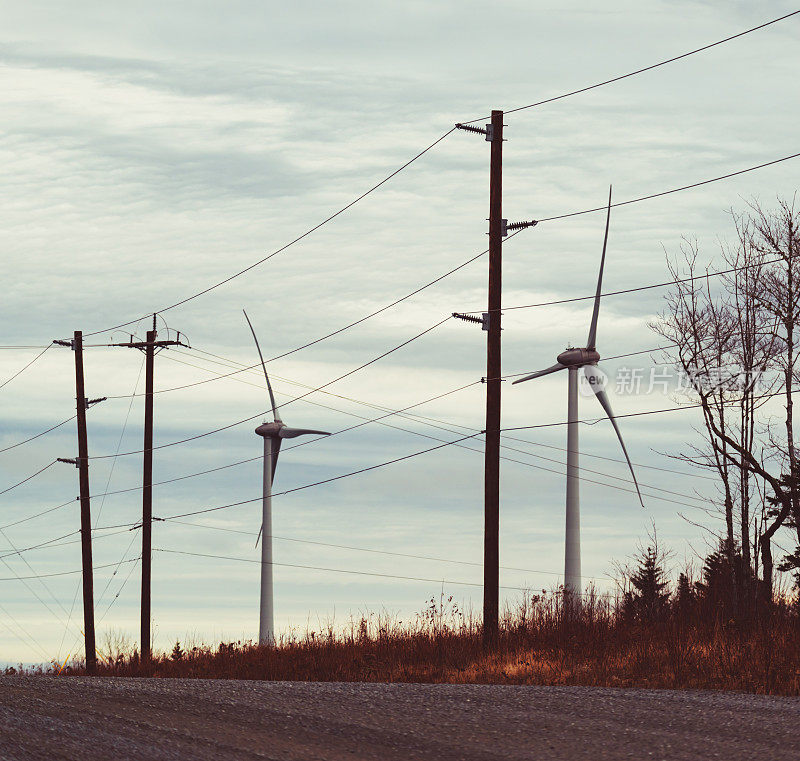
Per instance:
x=738, y=348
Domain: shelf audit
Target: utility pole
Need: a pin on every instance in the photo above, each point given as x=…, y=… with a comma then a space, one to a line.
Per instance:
x=147, y=495
x=82, y=463
x=149, y=346
x=491, y=491
x=491, y=322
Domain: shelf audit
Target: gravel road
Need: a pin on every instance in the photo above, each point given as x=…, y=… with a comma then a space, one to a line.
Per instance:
x=87, y=719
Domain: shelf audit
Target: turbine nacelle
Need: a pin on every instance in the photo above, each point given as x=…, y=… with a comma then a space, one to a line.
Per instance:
x=273, y=430
x=578, y=357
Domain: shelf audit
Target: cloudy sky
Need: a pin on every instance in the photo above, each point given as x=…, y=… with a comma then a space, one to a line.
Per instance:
x=151, y=150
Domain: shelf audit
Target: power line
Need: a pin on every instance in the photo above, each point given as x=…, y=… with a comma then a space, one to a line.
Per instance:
x=645, y=412
x=97, y=519
x=673, y=190
x=38, y=515
x=294, y=446
x=428, y=436
x=601, y=473
x=133, y=562
x=285, y=404
x=308, y=486
x=19, y=372
x=30, y=638
x=246, y=368
x=438, y=423
x=422, y=153
x=38, y=435
x=382, y=309
x=56, y=542
x=644, y=69
x=102, y=594
x=329, y=480
x=369, y=573
x=61, y=573
x=249, y=459
x=375, y=551
x=456, y=442
x=442, y=425
x=29, y=478
x=25, y=579
x=371, y=405
x=290, y=243
x=119, y=444
x=46, y=543
x=375, y=420
x=333, y=570
x=649, y=287
x=524, y=306
x=336, y=332
x=614, y=459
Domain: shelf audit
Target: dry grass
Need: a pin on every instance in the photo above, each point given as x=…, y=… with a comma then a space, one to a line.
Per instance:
x=538, y=645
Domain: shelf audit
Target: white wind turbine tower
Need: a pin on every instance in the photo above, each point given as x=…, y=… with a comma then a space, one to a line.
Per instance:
x=272, y=433
x=572, y=360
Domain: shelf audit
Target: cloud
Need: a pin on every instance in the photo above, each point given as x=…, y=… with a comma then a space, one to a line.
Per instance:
x=151, y=151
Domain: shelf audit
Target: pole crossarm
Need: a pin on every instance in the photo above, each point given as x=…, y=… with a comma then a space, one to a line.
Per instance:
x=144, y=344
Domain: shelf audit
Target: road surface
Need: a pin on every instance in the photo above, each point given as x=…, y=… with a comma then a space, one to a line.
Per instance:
x=87, y=719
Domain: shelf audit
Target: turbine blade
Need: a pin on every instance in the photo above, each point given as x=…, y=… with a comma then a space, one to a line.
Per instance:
x=596, y=384
x=264, y=366
x=276, y=448
x=592, y=341
x=293, y=433
x=554, y=369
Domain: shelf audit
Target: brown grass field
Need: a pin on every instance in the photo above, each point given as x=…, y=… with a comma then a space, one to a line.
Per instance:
x=538, y=644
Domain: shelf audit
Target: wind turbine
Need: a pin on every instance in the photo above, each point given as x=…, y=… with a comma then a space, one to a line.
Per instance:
x=272, y=433
x=572, y=360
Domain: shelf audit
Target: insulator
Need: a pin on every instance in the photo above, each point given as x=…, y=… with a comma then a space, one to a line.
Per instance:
x=468, y=317
x=470, y=128
x=522, y=225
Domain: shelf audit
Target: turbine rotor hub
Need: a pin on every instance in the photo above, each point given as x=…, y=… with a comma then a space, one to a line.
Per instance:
x=578, y=357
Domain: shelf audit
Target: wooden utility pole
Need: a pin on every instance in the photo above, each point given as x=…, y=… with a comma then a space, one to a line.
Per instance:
x=149, y=346
x=491, y=536
x=147, y=494
x=86, y=513
x=499, y=228
x=82, y=463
